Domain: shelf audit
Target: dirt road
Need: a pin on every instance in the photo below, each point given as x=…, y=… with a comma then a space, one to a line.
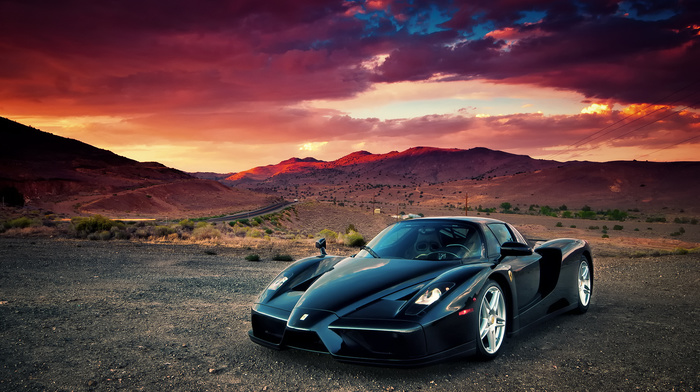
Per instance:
x=89, y=315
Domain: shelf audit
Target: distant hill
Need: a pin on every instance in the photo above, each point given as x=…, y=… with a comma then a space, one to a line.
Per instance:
x=424, y=177
x=414, y=166
x=70, y=176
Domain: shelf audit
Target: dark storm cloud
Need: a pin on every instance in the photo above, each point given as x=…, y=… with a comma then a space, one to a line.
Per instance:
x=81, y=48
x=591, y=49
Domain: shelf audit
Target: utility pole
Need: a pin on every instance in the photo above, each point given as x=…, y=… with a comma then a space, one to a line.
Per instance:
x=466, y=204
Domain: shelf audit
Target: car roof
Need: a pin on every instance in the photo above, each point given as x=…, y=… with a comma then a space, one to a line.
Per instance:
x=474, y=219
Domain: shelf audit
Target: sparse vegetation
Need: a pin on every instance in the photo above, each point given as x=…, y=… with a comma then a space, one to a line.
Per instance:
x=18, y=223
x=653, y=219
x=206, y=232
x=680, y=231
x=282, y=257
x=253, y=257
x=354, y=239
x=187, y=224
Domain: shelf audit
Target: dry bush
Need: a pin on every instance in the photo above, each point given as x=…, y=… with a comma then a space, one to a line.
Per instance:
x=206, y=233
x=32, y=231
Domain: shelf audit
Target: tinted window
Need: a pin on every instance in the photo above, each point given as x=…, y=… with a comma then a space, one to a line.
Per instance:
x=502, y=233
x=423, y=239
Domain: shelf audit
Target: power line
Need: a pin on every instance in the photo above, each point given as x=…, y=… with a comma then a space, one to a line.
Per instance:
x=669, y=146
x=585, y=139
x=638, y=128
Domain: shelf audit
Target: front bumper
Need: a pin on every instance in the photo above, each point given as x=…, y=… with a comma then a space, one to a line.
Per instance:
x=364, y=341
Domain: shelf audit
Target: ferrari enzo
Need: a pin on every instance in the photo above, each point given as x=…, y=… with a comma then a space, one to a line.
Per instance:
x=423, y=290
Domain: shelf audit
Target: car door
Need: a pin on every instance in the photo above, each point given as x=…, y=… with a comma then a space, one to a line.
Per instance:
x=525, y=269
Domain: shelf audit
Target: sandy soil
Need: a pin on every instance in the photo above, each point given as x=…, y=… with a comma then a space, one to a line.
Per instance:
x=90, y=315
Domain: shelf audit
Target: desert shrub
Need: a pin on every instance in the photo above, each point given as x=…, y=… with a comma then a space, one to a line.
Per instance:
x=120, y=234
x=680, y=251
x=653, y=219
x=354, y=239
x=141, y=233
x=206, y=232
x=253, y=257
x=18, y=223
x=268, y=231
x=254, y=233
x=547, y=211
x=573, y=226
x=605, y=236
x=328, y=234
x=163, y=231
x=559, y=224
x=585, y=214
x=617, y=227
x=240, y=231
x=201, y=224
x=282, y=257
x=103, y=235
x=187, y=224
x=616, y=215
x=92, y=224
x=679, y=232
x=593, y=227
x=244, y=222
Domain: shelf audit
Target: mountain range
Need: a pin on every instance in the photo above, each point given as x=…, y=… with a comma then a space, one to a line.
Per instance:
x=426, y=177
x=414, y=166
x=71, y=177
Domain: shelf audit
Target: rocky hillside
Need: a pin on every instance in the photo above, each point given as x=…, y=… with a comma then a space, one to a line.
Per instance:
x=71, y=177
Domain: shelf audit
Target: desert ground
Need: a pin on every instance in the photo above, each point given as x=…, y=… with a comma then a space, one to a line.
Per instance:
x=80, y=315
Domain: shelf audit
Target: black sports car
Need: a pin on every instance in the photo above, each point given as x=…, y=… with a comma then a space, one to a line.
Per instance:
x=423, y=290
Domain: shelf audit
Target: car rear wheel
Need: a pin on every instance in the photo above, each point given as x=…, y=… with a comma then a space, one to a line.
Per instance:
x=584, y=279
x=491, y=327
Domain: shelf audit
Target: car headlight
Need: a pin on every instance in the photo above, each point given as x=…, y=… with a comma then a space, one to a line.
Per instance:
x=429, y=296
x=277, y=283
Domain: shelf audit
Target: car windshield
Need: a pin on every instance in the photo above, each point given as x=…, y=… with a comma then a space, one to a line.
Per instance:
x=425, y=239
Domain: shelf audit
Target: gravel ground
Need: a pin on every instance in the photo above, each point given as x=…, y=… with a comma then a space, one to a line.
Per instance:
x=88, y=315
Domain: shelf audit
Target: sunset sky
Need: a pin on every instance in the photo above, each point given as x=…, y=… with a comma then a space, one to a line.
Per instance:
x=225, y=86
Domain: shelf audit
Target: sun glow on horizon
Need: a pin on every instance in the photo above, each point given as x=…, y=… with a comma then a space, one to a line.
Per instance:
x=312, y=146
x=596, y=108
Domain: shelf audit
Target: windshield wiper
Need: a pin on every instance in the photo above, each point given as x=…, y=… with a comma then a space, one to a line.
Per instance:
x=370, y=251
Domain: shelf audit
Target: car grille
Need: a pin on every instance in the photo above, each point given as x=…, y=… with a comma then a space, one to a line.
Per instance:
x=268, y=328
x=304, y=340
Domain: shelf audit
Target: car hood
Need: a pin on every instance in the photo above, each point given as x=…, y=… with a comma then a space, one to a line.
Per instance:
x=355, y=282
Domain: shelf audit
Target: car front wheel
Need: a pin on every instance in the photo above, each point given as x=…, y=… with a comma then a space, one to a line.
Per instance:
x=491, y=321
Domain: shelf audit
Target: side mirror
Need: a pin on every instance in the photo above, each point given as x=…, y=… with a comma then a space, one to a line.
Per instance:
x=321, y=244
x=515, y=249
